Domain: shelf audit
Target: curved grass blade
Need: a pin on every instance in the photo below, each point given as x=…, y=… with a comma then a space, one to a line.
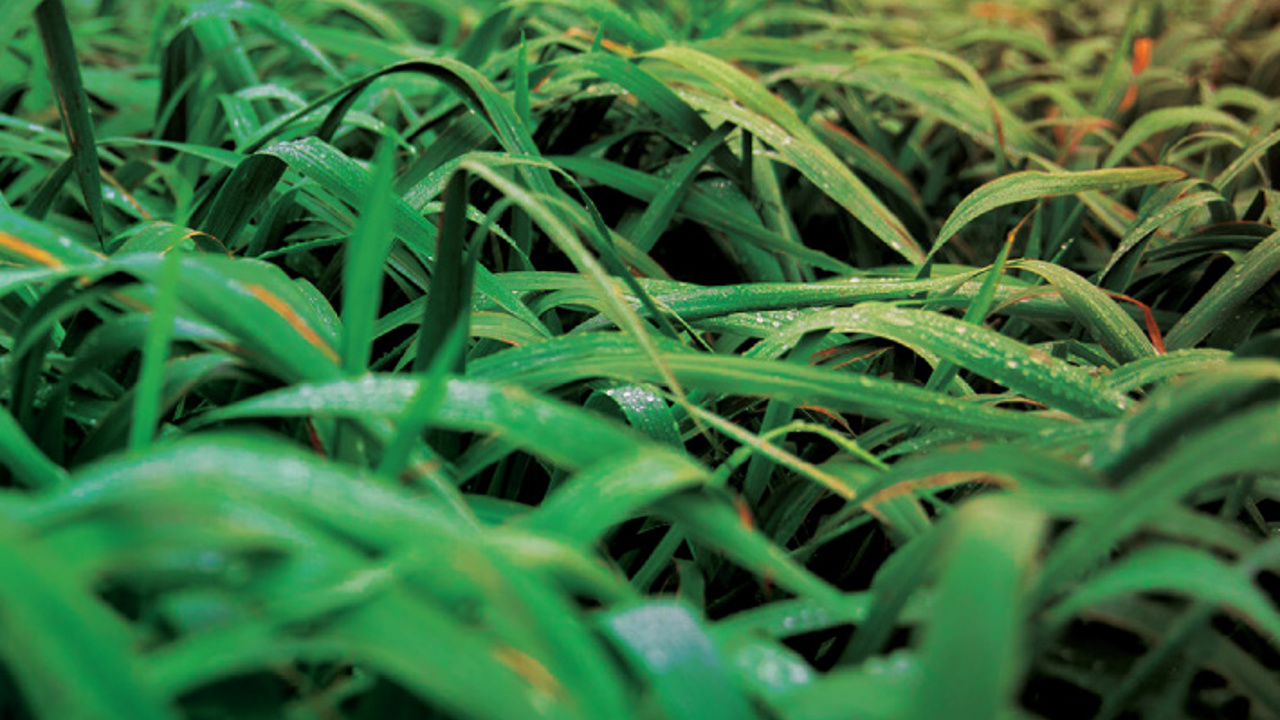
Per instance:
x=268, y=22
x=1252, y=435
x=698, y=205
x=1164, y=119
x=1182, y=409
x=29, y=466
x=565, y=435
x=340, y=175
x=1176, y=569
x=549, y=665
x=1167, y=204
x=1110, y=326
x=257, y=305
x=860, y=394
x=1034, y=184
x=1240, y=283
x=1245, y=160
x=977, y=311
x=244, y=192
x=644, y=410
x=612, y=490
x=1160, y=368
x=769, y=119
x=567, y=240
x=714, y=521
x=1024, y=369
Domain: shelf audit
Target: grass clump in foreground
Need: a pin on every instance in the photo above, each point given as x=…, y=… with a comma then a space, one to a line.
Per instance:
x=673, y=360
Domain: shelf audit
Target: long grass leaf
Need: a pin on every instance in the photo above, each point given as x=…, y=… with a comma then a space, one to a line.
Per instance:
x=73, y=105
x=1241, y=282
x=1034, y=184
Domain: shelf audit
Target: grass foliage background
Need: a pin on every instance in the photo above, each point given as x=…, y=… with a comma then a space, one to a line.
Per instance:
x=625, y=359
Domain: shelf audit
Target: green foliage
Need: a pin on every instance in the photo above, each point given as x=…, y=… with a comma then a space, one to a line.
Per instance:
x=634, y=360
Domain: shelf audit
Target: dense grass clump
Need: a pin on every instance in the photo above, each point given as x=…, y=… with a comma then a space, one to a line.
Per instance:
x=634, y=360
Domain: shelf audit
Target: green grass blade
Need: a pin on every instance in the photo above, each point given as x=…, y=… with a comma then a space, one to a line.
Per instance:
x=1240, y=283
x=659, y=213
x=1165, y=119
x=991, y=553
x=1252, y=436
x=1181, y=570
x=698, y=205
x=612, y=490
x=859, y=394
x=61, y=631
x=771, y=120
x=246, y=190
x=28, y=465
x=449, y=298
x=155, y=354
x=1026, y=370
x=976, y=313
x=341, y=175
x=1110, y=326
x=673, y=651
x=73, y=105
x=365, y=256
x=259, y=306
x=1034, y=184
